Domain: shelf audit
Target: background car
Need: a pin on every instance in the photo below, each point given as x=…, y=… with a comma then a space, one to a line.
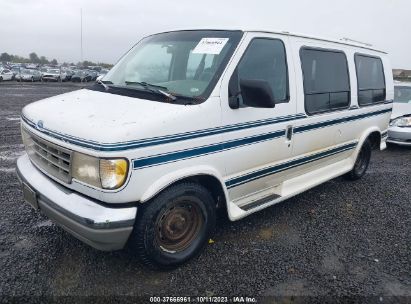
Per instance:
x=6, y=74
x=15, y=69
x=43, y=70
x=93, y=74
x=399, y=131
x=81, y=76
x=69, y=74
x=53, y=75
x=102, y=73
x=28, y=75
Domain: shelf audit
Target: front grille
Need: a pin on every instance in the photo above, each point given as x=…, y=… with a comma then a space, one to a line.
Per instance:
x=53, y=159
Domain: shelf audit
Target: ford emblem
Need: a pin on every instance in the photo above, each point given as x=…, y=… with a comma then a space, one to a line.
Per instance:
x=40, y=124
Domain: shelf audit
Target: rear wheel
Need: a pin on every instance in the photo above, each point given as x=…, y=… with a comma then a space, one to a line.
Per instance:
x=361, y=163
x=1, y=78
x=174, y=226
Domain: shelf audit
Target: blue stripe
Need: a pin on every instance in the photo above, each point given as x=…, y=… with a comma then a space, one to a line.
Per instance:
x=164, y=139
x=196, y=134
x=237, y=181
x=204, y=150
x=327, y=123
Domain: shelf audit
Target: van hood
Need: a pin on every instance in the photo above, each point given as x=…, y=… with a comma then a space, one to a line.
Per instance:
x=93, y=116
x=400, y=109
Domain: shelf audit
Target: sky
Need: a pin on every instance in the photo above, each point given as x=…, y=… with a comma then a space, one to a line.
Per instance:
x=52, y=27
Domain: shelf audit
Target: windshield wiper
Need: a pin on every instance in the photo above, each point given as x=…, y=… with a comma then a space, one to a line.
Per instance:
x=153, y=88
x=106, y=87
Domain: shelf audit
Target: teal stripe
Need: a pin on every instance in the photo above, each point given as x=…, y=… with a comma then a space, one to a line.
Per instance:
x=237, y=181
x=331, y=122
x=195, y=134
x=204, y=150
x=164, y=139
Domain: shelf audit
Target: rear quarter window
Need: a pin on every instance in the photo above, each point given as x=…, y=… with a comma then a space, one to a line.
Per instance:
x=370, y=79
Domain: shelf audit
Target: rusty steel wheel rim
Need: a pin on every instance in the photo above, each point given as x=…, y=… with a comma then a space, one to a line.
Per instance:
x=178, y=226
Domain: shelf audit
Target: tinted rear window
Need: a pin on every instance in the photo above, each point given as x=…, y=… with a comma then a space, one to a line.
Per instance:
x=370, y=78
x=326, y=80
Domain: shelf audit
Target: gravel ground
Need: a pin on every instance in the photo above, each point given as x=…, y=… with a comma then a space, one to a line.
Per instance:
x=340, y=239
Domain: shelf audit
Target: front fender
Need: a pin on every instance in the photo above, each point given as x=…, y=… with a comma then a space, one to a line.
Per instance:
x=175, y=176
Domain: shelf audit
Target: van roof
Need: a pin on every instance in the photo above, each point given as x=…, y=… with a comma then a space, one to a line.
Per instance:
x=344, y=41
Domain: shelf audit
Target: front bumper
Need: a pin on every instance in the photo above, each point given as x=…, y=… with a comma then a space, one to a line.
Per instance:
x=99, y=226
x=399, y=136
x=48, y=77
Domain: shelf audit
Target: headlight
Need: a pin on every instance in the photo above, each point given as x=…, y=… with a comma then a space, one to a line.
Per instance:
x=113, y=172
x=101, y=173
x=401, y=122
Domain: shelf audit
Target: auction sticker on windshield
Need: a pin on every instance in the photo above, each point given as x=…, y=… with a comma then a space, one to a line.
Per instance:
x=210, y=46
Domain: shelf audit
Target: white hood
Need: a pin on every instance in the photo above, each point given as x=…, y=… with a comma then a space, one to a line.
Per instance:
x=108, y=118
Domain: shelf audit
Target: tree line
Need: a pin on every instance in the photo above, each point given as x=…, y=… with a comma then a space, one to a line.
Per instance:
x=34, y=58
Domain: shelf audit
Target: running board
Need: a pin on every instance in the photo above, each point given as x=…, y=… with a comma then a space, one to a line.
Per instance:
x=260, y=202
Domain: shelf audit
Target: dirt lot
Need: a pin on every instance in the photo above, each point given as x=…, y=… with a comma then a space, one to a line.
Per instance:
x=338, y=239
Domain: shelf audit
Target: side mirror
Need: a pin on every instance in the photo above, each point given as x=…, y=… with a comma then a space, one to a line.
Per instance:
x=234, y=91
x=257, y=93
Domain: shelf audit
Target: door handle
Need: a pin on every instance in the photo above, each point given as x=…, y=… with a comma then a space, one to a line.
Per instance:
x=289, y=132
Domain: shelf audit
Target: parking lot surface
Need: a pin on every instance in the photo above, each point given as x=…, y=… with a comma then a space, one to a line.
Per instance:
x=339, y=239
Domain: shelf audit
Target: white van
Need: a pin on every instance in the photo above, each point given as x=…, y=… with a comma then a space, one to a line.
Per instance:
x=188, y=121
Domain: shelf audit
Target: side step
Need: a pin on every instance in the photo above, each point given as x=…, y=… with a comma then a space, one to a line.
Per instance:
x=260, y=202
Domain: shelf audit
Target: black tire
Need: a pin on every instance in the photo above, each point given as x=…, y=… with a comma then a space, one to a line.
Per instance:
x=174, y=226
x=361, y=163
x=1, y=79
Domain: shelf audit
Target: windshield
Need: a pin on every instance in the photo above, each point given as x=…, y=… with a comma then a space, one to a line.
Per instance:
x=402, y=94
x=185, y=63
x=53, y=71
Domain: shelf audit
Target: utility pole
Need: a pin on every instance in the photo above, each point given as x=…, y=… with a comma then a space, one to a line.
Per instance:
x=81, y=36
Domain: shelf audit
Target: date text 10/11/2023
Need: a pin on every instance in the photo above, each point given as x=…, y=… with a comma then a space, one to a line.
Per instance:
x=203, y=299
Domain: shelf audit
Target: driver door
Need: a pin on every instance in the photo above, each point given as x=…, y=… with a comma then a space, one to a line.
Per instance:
x=264, y=134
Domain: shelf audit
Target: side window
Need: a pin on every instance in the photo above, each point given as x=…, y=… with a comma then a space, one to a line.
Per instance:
x=265, y=59
x=370, y=79
x=326, y=80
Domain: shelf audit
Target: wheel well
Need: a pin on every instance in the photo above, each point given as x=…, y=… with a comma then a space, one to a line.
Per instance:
x=375, y=139
x=209, y=182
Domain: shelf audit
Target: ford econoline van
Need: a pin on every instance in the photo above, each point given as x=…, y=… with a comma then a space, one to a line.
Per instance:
x=191, y=121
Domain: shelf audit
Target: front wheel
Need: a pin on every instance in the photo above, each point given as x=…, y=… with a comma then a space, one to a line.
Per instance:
x=361, y=163
x=174, y=226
